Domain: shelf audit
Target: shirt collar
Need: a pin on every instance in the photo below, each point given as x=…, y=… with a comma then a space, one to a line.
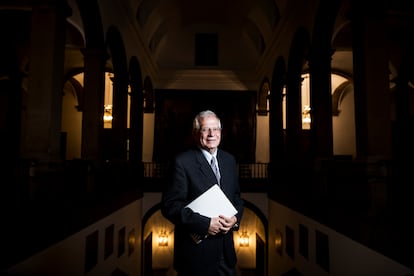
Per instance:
x=208, y=155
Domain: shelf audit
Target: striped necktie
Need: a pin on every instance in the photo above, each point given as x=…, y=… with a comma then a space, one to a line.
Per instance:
x=215, y=169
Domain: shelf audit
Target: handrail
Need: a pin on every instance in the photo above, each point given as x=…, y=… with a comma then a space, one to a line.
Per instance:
x=245, y=170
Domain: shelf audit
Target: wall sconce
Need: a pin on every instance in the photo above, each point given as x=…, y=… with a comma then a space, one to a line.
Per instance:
x=163, y=239
x=263, y=99
x=244, y=239
x=131, y=242
x=306, y=114
x=279, y=242
x=306, y=117
x=107, y=114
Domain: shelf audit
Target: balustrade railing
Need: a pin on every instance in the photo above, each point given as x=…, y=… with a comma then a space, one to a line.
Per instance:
x=251, y=170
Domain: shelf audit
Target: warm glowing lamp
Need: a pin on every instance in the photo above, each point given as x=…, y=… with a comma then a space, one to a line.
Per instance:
x=279, y=242
x=306, y=119
x=107, y=114
x=244, y=239
x=163, y=239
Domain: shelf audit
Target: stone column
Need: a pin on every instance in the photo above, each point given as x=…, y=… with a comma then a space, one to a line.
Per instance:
x=293, y=117
x=93, y=107
x=41, y=125
x=137, y=120
x=371, y=84
x=119, y=121
x=321, y=103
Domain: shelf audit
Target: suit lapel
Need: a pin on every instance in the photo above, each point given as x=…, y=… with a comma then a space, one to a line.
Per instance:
x=205, y=168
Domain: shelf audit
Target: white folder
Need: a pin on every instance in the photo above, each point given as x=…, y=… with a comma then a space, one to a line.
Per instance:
x=213, y=203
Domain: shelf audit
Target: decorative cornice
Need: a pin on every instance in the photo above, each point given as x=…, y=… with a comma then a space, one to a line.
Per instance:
x=205, y=79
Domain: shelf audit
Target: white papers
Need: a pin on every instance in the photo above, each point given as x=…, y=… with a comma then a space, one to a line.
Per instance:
x=213, y=203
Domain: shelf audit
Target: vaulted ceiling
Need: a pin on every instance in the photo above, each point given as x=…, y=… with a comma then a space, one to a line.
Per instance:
x=166, y=26
x=251, y=34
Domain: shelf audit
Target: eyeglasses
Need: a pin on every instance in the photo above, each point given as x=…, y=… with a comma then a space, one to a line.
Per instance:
x=212, y=130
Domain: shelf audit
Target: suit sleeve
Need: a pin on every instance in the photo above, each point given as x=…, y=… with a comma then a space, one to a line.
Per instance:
x=176, y=197
x=236, y=198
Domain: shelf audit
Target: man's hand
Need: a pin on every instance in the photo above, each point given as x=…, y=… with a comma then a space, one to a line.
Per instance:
x=215, y=226
x=227, y=223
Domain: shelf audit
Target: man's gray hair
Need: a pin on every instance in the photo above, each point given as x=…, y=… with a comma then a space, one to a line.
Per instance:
x=202, y=115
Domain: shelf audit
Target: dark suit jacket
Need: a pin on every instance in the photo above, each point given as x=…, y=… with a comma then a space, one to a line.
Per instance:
x=191, y=175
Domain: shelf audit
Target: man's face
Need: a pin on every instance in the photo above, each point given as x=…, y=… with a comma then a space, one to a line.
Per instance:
x=210, y=133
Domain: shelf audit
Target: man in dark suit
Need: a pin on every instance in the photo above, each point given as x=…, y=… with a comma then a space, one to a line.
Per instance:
x=203, y=245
